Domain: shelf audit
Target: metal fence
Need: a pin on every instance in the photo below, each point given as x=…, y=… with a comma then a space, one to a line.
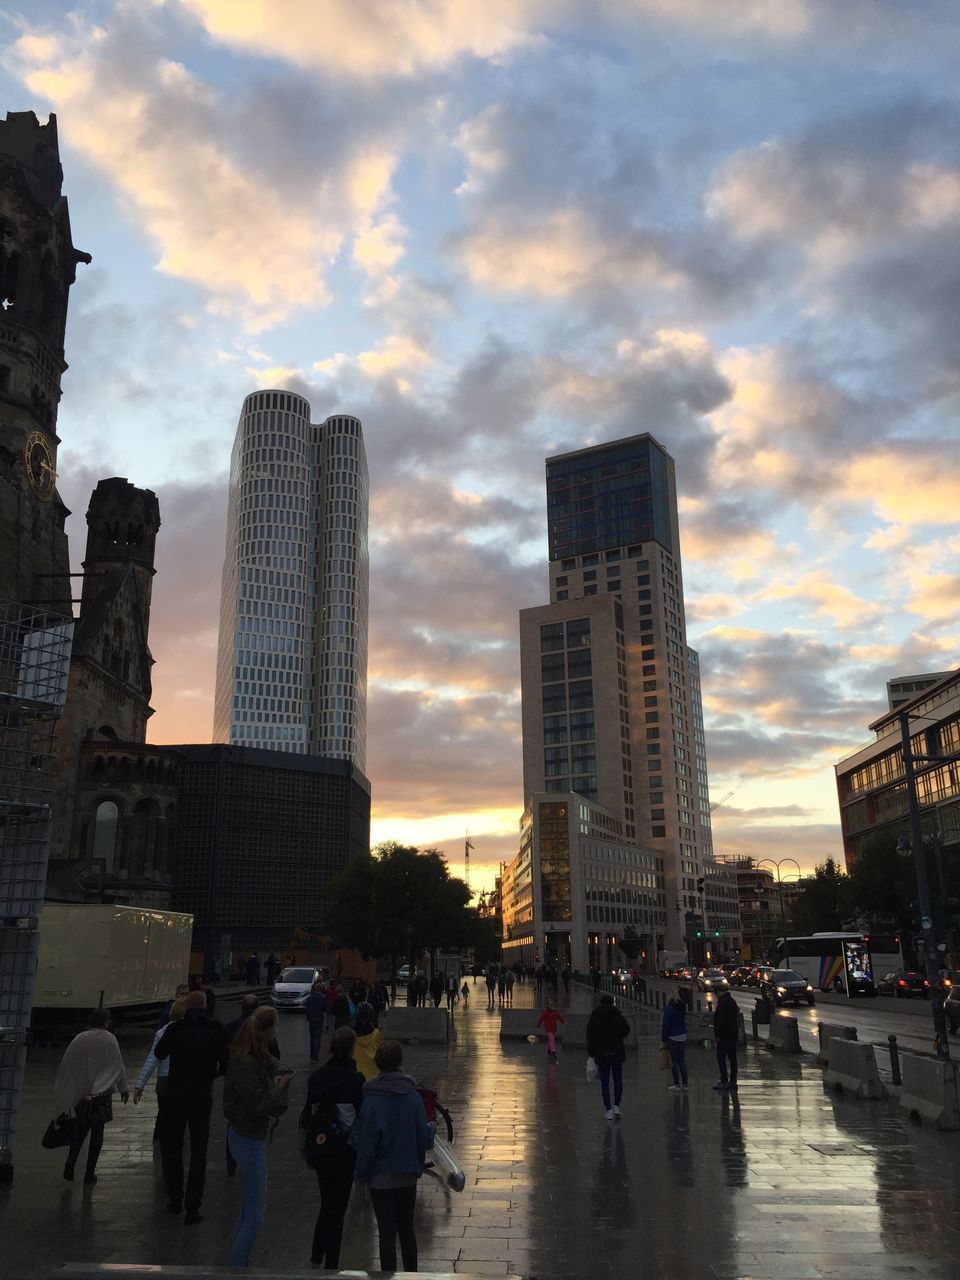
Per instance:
x=34, y=664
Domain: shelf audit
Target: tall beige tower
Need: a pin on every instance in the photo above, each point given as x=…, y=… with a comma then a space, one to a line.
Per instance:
x=612, y=706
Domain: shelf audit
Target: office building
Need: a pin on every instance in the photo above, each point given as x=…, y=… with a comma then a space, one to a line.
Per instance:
x=903, y=689
x=292, y=662
x=611, y=691
x=577, y=886
x=258, y=835
x=871, y=784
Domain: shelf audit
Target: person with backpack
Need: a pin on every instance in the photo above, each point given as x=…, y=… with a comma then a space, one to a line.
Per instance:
x=255, y=1090
x=328, y=1126
x=393, y=1138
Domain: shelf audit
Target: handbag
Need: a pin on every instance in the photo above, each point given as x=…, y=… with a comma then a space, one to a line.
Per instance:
x=663, y=1058
x=592, y=1069
x=59, y=1132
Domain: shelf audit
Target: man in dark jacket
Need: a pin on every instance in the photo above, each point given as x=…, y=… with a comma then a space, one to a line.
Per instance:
x=197, y=1049
x=607, y=1031
x=726, y=1027
x=315, y=1008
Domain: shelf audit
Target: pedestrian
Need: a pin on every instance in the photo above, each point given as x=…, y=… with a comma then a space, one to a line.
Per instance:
x=548, y=1020
x=271, y=969
x=491, y=984
x=315, y=1007
x=197, y=1049
x=183, y=989
x=465, y=992
x=152, y=1064
x=726, y=1029
x=538, y=979
x=248, y=1004
x=673, y=1034
x=330, y=995
x=89, y=1071
x=420, y=988
x=337, y=1084
x=436, y=988
x=453, y=992
x=501, y=985
x=341, y=1010
x=255, y=1090
x=392, y=1143
x=509, y=979
x=199, y=983
x=566, y=975
x=368, y=1041
x=607, y=1031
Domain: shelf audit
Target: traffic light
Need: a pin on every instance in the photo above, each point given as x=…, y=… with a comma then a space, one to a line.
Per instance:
x=699, y=933
x=717, y=933
x=700, y=884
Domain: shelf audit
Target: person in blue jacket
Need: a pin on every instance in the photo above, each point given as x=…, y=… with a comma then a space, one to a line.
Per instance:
x=673, y=1033
x=393, y=1138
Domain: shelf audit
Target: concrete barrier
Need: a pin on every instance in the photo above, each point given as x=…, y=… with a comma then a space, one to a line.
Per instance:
x=784, y=1034
x=828, y=1031
x=517, y=1024
x=575, y=1032
x=853, y=1067
x=164, y=1271
x=930, y=1090
x=429, y=1026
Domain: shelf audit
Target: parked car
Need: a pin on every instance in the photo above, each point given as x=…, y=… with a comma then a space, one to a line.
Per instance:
x=294, y=984
x=904, y=983
x=783, y=986
x=712, y=980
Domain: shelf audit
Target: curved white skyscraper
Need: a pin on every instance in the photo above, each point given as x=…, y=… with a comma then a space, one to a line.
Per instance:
x=292, y=661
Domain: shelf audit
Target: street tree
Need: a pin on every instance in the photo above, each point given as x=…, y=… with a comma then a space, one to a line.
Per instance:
x=817, y=907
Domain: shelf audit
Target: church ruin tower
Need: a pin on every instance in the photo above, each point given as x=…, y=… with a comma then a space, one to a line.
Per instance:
x=38, y=264
x=122, y=524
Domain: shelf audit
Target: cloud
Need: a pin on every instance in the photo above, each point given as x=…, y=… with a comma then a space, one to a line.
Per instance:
x=257, y=236
x=374, y=39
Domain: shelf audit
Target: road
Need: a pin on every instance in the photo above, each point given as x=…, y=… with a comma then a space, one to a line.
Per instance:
x=909, y=1020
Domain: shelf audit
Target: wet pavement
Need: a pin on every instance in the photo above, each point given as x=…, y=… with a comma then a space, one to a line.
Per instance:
x=781, y=1181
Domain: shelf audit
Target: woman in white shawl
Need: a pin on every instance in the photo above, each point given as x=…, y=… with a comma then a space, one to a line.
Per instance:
x=89, y=1072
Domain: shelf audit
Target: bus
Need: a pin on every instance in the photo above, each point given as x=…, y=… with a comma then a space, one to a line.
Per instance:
x=844, y=962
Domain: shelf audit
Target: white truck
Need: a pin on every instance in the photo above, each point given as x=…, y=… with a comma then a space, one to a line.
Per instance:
x=110, y=956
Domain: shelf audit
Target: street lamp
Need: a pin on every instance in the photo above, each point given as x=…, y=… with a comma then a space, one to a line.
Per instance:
x=778, y=865
x=915, y=843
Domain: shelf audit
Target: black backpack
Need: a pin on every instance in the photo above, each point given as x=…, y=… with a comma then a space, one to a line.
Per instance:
x=322, y=1131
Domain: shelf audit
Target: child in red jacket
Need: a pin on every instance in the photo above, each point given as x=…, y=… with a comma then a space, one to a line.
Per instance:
x=548, y=1020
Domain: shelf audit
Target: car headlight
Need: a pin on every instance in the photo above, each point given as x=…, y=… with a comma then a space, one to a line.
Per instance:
x=781, y=991
x=809, y=988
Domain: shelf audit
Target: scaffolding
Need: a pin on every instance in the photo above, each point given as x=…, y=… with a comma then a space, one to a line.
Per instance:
x=34, y=664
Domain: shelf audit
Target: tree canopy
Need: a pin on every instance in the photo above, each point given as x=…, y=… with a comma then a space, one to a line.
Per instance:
x=399, y=901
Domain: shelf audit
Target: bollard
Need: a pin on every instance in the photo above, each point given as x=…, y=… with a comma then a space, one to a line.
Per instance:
x=753, y=1024
x=894, y=1060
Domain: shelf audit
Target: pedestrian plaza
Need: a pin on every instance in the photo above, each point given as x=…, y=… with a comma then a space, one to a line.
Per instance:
x=781, y=1180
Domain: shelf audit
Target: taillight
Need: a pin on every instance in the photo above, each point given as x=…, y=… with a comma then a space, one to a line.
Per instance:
x=902, y=982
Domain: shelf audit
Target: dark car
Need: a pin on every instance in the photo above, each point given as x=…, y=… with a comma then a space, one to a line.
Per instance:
x=904, y=983
x=783, y=986
x=740, y=977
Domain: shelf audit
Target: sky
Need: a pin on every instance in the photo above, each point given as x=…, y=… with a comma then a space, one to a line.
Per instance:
x=500, y=231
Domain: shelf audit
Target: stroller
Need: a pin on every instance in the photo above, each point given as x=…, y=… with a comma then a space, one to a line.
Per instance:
x=445, y=1163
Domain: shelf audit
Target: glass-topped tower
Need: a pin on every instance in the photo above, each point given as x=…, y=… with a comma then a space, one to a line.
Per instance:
x=612, y=706
x=292, y=660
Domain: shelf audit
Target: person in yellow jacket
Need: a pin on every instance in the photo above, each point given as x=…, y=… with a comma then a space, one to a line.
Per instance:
x=369, y=1040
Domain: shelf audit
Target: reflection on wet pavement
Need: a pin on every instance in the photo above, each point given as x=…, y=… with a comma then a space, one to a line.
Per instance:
x=780, y=1180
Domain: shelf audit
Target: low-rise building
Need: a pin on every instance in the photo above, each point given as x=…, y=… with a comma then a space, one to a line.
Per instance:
x=575, y=887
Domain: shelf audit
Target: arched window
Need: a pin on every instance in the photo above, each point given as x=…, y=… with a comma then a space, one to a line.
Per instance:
x=142, y=832
x=106, y=824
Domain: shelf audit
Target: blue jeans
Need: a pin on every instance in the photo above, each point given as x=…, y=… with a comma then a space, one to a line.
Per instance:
x=606, y=1070
x=251, y=1156
x=678, y=1060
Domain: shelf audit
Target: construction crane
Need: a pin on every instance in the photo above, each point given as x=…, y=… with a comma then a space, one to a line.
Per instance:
x=467, y=846
x=724, y=799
